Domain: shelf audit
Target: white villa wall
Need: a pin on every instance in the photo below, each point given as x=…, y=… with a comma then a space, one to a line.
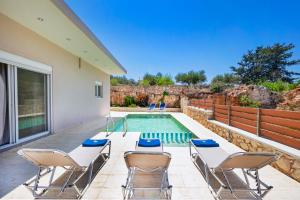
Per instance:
x=74, y=98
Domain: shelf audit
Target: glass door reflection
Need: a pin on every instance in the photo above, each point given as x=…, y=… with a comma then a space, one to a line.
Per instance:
x=32, y=103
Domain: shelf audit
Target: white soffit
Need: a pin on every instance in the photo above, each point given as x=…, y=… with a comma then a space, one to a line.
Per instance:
x=55, y=21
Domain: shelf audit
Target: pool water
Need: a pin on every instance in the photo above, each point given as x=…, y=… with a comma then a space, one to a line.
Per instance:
x=163, y=126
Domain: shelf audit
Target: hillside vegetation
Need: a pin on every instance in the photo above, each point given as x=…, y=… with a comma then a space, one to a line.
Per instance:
x=264, y=66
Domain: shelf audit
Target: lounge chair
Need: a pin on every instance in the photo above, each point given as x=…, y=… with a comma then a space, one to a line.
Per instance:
x=80, y=167
x=162, y=106
x=147, y=175
x=152, y=106
x=149, y=145
x=218, y=169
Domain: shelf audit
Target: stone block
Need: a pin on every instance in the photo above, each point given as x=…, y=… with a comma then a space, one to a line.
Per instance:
x=244, y=146
x=284, y=164
x=296, y=174
x=296, y=164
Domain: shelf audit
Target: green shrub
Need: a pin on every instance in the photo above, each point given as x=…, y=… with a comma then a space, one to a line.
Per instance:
x=129, y=100
x=132, y=105
x=278, y=86
x=144, y=83
x=162, y=99
x=165, y=93
x=217, y=87
x=246, y=101
x=165, y=80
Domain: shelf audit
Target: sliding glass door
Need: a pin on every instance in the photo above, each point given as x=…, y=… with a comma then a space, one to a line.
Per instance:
x=25, y=99
x=32, y=93
x=4, y=109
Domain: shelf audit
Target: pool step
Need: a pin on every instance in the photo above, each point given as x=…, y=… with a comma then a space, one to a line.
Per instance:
x=170, y=138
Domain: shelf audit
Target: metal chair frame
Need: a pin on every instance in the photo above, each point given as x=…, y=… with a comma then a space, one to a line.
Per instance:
x=44, y=170
x=258, y=192
x=165, y=188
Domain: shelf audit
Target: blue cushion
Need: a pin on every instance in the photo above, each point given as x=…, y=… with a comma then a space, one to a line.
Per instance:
x=94, y=143
x=205, y=143
x=149, y=143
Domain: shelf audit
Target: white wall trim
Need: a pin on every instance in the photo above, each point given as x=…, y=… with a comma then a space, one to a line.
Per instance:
x=25, y=63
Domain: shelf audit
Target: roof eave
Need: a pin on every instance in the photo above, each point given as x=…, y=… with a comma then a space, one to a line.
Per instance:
x=65, y=9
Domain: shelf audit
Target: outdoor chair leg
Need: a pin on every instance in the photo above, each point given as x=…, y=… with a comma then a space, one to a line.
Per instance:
x=109, y=149
x=36, y=182
x=66, y=182
x=52, y=175
x=257, y=182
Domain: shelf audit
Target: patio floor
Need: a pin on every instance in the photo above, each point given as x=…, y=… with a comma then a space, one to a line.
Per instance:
x=15, y=170
x=186, y=180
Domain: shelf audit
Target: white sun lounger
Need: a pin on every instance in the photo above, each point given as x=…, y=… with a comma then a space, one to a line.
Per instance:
x=147, y=175
x=218, y=168
x=80, y=167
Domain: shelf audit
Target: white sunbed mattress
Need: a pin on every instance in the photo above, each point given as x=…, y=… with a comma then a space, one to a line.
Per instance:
x=212, y=156
x=84, y=155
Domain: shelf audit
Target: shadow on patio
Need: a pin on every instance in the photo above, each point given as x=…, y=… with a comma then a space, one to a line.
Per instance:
x=14, y=175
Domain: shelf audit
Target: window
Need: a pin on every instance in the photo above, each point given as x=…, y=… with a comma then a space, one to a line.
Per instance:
x=25, y=101
x=32, y=103
x=98, y=89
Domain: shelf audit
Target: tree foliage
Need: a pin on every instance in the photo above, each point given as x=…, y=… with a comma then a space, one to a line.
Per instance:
x=121, y=80
x=151, y=79
x=158, y=79
x=226, y=78
x=191, y=77
x=220, y=82
x=267, y=64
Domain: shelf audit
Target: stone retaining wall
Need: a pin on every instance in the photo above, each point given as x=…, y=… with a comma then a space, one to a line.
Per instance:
x=154, y=93
x=288, y=164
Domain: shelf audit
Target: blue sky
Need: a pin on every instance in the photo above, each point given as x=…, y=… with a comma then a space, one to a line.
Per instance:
x=171, y=36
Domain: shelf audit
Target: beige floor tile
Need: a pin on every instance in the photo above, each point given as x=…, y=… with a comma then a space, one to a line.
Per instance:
x=191, y=193
x=187, y=181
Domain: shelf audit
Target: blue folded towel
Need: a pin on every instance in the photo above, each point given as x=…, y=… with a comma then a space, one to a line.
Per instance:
x=205, y=143
x=94, y=142
x=149, y=143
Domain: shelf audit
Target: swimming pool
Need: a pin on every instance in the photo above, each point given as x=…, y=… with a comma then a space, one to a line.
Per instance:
x=163, y=126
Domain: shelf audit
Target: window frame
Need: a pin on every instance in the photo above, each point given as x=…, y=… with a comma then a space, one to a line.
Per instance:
x=14, y=62
x=99, y=90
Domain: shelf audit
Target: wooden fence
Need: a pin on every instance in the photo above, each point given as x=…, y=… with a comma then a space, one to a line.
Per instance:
x=278, y=125
x=206, y=104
